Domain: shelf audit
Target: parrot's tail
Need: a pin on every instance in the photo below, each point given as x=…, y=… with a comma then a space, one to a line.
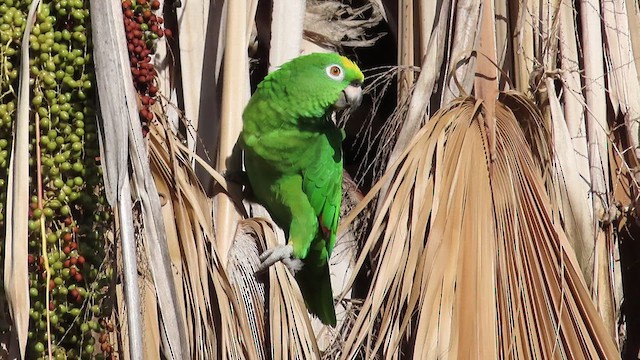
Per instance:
x=315, y=285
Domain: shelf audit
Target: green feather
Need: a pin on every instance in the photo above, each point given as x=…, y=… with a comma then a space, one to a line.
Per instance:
x=293, y=158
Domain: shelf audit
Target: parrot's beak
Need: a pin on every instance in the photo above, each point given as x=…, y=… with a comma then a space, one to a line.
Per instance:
x=351, y=97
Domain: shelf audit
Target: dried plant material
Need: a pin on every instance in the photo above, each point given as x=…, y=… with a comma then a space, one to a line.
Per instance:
x=523, y=44
x=411, y=110
x=339, y=24
x=235, y=94
x=379, y=82
x=595, y=96
x=537, y=131
x=625, y=80
x=290, y=332
x=126, y=166
x=287, y=20
x=486, y=79
x=15, y=244
x=472, y=267
x=243, y=263
x=462, y=66
x=112, y=62
x=573, y=107
x=598, y=149
x=190, y=233
x=192, y=19
x=574, y=207
x=289, y=320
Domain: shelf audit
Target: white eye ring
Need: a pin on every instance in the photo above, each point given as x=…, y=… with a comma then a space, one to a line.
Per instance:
x=335, y=72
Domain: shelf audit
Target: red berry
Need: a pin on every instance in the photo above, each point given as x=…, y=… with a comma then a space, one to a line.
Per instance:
x=66, y=263
x=66, y=250
x=73, y=260
x=52, y=306
x=160, y=20
x=155, y=4
x=73, y=271
x=74, y=293
x=153, y=90
x=52, y=284
x=126, y=4
x=168, y=33
x=81, y=260
x=128, y=13
x=78, y=277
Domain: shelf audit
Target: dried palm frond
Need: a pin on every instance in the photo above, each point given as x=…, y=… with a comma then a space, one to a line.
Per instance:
x=573, y=204
x=126, y=166
x=415, y=102
x=206, y=292
x=249, y=242
x=185, y=213
x=15, y=242
x=235, y=85
x=472, y=265
x=598, y=149
x=335, y=24
x=568, y=115
x=283, y=318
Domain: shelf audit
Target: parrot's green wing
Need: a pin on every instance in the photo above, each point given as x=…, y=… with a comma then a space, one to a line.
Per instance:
x=322, y=183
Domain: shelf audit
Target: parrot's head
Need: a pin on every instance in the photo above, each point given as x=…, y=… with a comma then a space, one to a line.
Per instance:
x=316, y=83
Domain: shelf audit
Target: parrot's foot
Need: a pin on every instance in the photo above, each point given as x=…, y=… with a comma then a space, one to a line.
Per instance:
x=280, y=253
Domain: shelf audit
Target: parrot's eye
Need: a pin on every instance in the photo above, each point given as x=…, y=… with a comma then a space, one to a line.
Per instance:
x=335, y=72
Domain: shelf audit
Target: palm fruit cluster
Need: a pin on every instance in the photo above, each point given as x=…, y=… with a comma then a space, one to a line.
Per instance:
x=69, y=267
x=143, y=28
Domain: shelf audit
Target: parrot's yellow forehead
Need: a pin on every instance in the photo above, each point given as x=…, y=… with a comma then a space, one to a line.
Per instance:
x=351, y=67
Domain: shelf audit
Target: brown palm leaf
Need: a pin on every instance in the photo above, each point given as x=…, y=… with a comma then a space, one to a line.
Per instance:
x=471, y=264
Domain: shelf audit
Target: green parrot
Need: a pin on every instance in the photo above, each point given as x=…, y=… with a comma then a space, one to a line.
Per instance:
x=293, y=159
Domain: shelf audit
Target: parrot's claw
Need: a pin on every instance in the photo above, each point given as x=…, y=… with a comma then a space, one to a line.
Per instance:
x=280, y=253
x=293, y=264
